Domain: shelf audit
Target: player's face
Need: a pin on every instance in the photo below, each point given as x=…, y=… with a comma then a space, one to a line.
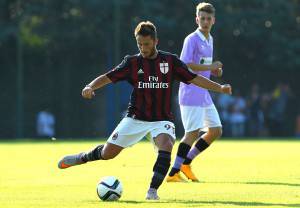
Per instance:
x=146, y=45
x=205, y=21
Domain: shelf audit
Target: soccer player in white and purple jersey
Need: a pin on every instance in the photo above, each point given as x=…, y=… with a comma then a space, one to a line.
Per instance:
x=197, y=108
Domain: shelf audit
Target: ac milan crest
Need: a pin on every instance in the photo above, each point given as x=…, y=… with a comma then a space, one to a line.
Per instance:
x=115, y=136
x=164, y=67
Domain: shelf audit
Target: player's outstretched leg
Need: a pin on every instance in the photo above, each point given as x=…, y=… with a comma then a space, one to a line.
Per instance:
x=81, y=158
x=70, y=160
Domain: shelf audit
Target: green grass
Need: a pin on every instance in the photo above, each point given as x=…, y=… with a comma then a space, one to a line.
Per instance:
x=233, y=174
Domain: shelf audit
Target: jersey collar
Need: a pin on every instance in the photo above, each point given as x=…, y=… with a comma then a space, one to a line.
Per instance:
x=202, y=37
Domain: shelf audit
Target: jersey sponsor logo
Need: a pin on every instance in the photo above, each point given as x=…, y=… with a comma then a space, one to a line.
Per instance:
x=153, y=83
x=205, y=60
x=164, y=67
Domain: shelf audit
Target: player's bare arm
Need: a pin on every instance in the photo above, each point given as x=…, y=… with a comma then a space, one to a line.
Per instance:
x=202, y=67
x=217, y=72
x=203, y=82
x=88, y=90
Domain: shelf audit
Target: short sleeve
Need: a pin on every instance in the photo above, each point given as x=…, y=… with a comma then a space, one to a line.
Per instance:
x=181, y=71
x=187, y=50
x=120, y=72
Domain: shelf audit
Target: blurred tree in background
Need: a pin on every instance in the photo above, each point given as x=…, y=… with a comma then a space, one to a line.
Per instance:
x=50, y=49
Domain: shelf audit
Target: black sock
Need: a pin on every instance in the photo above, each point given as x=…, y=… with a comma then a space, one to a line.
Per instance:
x=183, y=150
x=201, y=145
x=187, y=161
x=160, y=168
x=94, y=154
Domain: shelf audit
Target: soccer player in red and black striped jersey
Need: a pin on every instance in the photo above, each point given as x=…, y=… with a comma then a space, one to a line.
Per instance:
x=151, y=74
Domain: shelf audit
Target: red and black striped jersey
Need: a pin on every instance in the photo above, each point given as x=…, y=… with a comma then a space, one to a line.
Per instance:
x=152, y=81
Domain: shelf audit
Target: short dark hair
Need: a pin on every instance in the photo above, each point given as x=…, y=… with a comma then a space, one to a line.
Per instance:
x=145, y=28
x=205, y=7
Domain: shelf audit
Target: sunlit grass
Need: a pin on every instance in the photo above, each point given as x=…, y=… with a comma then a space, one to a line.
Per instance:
x=233, y=174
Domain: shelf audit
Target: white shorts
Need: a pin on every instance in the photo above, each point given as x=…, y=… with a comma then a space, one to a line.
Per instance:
x=130, y=131
x=196, y=117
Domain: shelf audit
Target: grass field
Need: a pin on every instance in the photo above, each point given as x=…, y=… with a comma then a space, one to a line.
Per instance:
x=233, y=174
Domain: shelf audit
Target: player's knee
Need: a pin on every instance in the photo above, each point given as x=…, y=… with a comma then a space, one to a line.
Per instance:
x=164, y=142
x=219, y=132
x=216, y=132
x=190, y=137
x=167, y=146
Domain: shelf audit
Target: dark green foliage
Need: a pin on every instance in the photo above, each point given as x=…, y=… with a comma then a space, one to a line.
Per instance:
x=67, y=43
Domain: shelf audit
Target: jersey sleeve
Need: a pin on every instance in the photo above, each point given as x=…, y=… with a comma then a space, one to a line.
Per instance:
x=120, y=72
x=187, y=50
x=182, y=72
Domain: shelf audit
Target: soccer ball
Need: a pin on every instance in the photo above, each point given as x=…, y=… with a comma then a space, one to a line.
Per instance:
x=109, y=188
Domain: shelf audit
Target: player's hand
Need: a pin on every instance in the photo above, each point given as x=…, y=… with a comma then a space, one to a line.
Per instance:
x=216, y=65
x=88, y=92
x=226, y=88
x=217, y=72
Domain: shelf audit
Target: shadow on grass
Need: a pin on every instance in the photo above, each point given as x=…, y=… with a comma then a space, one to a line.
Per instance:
x=259, y=183
x=196, y=203
x=273, y=183
x=190, y=203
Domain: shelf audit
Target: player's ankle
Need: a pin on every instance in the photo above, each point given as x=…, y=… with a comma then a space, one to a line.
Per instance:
x=187, y=161
x=173, y=171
